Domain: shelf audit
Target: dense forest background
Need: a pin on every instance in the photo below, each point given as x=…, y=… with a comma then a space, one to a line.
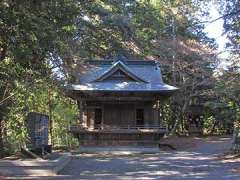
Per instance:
x=43, y=43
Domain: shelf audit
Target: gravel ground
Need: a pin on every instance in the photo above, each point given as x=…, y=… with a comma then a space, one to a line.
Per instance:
x=203, y=161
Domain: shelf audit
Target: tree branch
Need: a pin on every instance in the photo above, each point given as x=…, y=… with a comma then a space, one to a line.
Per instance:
x=220, y=17
x=3, y=100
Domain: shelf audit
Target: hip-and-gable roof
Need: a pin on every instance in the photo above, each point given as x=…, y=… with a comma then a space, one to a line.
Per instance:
x=129, y=75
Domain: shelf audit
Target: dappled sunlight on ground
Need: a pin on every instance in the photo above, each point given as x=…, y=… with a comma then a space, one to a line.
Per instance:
x=200, y=160
x=204, y=160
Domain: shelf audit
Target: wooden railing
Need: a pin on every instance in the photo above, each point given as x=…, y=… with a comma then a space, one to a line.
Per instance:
x=114, y=128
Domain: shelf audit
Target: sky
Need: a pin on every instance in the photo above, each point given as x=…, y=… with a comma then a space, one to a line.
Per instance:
x=215, y=30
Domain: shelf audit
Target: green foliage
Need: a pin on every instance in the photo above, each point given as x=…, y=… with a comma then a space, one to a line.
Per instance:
x=228, y=86
x=231, y=14
x=30, y=30
x=41, y=41
x=37, y=99
x=107, y=28
x=225, y=107
x=30, y=33
x=208, y=124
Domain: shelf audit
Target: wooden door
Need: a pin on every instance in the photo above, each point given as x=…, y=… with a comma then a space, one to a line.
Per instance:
x=119, y=115
x=140, y=117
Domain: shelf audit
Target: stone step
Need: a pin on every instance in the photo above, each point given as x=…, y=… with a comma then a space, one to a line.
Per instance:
x=34, y=167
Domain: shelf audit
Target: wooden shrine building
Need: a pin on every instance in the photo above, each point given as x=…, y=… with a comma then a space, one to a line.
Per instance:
x=119, y=102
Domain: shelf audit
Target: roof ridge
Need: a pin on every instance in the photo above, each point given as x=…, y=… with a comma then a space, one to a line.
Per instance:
x=123, y=67
x=128, y=62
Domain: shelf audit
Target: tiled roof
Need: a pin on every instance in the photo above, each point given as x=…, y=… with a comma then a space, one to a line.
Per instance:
x=147, y=72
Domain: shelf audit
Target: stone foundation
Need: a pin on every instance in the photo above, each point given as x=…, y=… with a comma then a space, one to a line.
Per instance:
x=119, y=139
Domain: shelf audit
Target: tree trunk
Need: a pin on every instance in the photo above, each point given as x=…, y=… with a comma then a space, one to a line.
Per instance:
x=50, y=117
x=180, y=115
x=3, y=53
x=174, y=129
x=235, y=135
x=213, y=127
x=183, y=124
x=1, y=137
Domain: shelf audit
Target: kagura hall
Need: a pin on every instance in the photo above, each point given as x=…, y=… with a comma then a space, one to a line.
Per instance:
x=119, y=103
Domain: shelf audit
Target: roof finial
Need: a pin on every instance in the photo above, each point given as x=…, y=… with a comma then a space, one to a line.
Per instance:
x=121, y=57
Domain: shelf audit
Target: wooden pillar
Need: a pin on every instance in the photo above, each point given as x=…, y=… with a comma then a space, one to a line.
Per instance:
x=80, y=108
x=84, y=117
x=158, y=113
x=156, y=110
x=155, y=114
x=102, y=121
x=91, y=116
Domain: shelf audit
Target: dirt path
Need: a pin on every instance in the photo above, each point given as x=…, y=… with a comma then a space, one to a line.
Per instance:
x=203, y=161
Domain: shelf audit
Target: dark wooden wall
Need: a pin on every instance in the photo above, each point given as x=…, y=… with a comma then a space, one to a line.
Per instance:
x=120, y=114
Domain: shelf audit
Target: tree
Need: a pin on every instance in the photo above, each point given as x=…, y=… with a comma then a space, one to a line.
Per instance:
x=227, y=87
x=30, y=31
x=231, y=15
x=165, y=31
x=44, y=42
